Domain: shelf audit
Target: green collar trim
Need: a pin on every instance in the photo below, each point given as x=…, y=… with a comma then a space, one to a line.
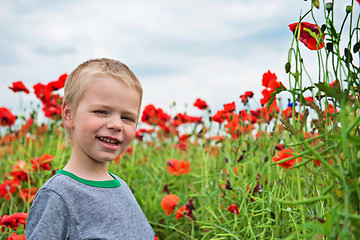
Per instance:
x=103, y=184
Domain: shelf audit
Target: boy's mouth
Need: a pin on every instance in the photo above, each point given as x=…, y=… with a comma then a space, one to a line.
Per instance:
x=110, y=141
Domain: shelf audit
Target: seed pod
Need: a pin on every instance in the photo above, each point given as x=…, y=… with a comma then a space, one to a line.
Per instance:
x=287, y=67
x=316, y=3
x=329, y=6
x=348, y=9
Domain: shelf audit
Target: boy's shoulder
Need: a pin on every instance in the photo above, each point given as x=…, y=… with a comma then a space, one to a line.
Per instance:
x=57, y=183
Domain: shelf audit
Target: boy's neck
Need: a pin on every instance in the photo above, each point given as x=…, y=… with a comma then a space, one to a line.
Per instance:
x=94, y=172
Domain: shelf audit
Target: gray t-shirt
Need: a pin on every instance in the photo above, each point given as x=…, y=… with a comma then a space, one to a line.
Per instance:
x=69, y=207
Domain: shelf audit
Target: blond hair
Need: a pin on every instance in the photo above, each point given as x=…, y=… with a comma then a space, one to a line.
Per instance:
x=79, y=79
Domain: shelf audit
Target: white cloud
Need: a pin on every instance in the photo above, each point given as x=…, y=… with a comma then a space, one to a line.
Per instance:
x=181, y=50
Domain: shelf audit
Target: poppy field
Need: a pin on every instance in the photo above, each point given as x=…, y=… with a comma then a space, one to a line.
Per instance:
x=278, y=171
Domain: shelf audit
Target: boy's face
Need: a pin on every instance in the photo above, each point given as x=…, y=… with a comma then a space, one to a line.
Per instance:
x=105, y=120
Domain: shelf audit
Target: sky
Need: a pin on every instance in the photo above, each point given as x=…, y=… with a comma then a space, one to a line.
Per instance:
x=180, y=50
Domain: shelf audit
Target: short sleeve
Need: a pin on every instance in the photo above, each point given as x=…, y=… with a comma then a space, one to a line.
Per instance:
x=48, y=217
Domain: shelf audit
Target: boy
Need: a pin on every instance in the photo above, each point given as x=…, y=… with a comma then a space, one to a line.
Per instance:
x=100, y=111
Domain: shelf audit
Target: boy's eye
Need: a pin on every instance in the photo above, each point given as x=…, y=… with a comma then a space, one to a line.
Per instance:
x=100, y=112
x=130, y=119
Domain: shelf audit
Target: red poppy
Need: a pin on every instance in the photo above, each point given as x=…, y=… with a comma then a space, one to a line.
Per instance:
x=279, y=147
x=139, y=134
x=201, y=104
x=266, y=96
x=268, y=80
x=309, y=99
x=229, y=107
x=287, y=113
x=286, y=153
x=6, y=117
x=14, y=236
x=178, y=167
x=305, y=36
x=42, y=162
x=8, y=187
x=246, y=96
x=330, y=109
x=219, y=116
x=234, y=209
x=21, y=170
x=180, y=119
x=169, y=203
x=335, y=84
x=358, y=1
x=181, y=212
x=28, y=195
x=19, y=87
x=13, y=221
x=42, y=92
x=154, y=116
x=58, y=84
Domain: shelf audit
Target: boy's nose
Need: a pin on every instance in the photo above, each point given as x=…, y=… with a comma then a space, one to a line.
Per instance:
x=115, y=124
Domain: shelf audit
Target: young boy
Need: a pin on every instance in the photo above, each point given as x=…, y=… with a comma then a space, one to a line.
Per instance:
x=100, y=111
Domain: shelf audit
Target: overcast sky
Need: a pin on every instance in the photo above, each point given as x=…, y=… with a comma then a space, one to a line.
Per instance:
x=180, y=50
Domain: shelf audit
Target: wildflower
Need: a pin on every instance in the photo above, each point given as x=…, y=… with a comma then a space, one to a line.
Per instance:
x=14, y=236
x=245, y=97
x=169, y=203
x=181, y=212
x=42, y=162
x=266, y=96
x=309, y=99
x=287, y=113
x=6, y=117
x=52, y=108
x=219, y=116
x=58, y=84
x=283, y=154
x=178, y=167
x=42, y=92
x=28, y=195
x=190, y=207
x=180, y=119
x=269, y=80
x=19, y=87
x=234, y=209
x=305, y=37
x=154, y=116
x=229, y=107
x=13, y=221
x=21, y=170
x=279, y=147
x=335, y=84
x=200, y=104
x=8, y=188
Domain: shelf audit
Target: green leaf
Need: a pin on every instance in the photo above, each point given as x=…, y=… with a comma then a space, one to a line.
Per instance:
x=273, y=95
x=332, y=92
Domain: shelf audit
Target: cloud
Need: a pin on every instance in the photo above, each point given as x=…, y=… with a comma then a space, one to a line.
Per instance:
x=180, y=50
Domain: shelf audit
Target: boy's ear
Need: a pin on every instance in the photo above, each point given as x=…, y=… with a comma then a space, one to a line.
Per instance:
x=67, y=115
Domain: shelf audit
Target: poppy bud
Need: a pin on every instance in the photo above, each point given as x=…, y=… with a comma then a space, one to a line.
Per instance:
x=348, y=55
x=356, y=47
x=329, y=46
x=287, y=67
x=348, y=9
x=323, y=28
x=329, y=6
x=316, y=3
